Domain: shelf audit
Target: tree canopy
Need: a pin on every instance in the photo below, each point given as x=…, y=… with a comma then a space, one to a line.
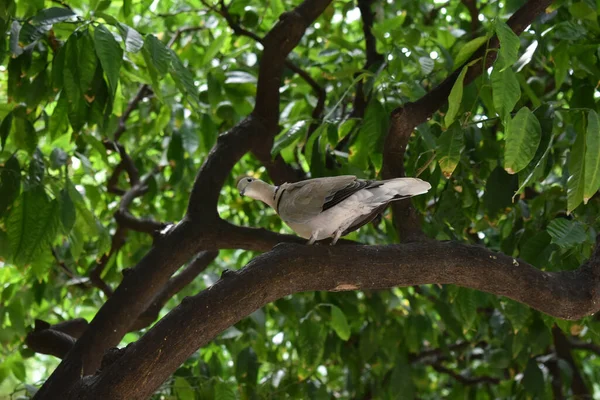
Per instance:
x=131, y=267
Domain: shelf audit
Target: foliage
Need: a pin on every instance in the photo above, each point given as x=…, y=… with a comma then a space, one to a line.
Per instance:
x=514, y=163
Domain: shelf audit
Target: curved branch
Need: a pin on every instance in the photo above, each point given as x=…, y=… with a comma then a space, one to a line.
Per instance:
x=290, y=268
x=262, y=124
x=174, y=247
x=56, y=339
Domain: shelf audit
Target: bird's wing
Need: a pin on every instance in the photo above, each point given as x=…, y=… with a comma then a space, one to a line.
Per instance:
x=300, y=202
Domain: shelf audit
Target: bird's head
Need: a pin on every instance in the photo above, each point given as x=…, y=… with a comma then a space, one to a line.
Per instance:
x=247, y=185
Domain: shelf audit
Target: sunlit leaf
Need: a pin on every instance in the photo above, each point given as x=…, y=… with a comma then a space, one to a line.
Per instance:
x=450, y=146
x=509, y=43
x=339, y=323
x=110, y=54
x=506, y=91
x=592, y=157
x=468, y=49
x=455, y=98
x=523, y=135
x=32, y=225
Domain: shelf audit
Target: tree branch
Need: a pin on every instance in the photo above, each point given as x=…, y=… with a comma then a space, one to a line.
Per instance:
x=174, y=247
x=278, y=169
x=262, y=124
x=474, y=13
x=56, y=339
x=361, y=99
x=465, y=380
x=406, y=118
x=174, y=286
x=562, y=347
x=289, y=269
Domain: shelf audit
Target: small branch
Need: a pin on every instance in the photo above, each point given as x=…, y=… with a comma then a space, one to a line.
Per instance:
x=562, y=347
x=465, y=380
x=142, y=92
x=579, y=345
x=361, y=99
x=57, y=339
x=174, y=286
x=474, y=12
x=278, y=169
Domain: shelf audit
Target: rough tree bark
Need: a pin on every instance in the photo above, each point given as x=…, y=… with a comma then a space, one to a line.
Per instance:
x=135, y=372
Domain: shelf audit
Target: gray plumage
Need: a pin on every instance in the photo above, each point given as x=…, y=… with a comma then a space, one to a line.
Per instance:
x=320, y=208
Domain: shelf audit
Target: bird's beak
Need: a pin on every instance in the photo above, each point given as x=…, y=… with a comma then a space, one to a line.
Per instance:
x=243, y=191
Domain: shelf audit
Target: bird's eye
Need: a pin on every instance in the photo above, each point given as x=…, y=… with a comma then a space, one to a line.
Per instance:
x=249, y=179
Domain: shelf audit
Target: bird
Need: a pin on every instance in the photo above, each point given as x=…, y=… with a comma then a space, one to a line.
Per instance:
x=330, y=207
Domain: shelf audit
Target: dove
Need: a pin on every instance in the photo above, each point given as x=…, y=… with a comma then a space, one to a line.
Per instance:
x=330, y=207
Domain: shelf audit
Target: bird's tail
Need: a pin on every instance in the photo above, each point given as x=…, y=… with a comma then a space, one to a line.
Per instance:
x=406, y=187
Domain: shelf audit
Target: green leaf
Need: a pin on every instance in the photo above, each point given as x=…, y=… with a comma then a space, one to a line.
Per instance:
x=110, y=55
x=224, y=391
x=372, y=130
x=67, y=211
x=158, y=54
x=450, y=146
x=509, y=43
x=468, y=49
x=523, y=135
x=455, y=97
x=516, y=313
x=566, y=233
x=133, y=40
x=287, y=137
x=576, y=183
x=466, y=306
x=182, y=388
x=5, y=128
x=246, y=367
x=310, y=344
x=499, y=358
x=189, y=138
x=32, y=225
x=560, y=55
x=505, y=90
x=183, y=77
x=85, y=63
x=10, y=183
x=53, y=15
x=499, y=190
x=533, y=379
x=339, y=323
x=592, y=157
x=214, y=48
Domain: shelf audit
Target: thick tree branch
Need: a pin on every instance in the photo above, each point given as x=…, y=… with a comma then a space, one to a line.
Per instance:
x=406, y=118
x=289, y=269
x=278, y=169
x=175, y=246
x=262, y=124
